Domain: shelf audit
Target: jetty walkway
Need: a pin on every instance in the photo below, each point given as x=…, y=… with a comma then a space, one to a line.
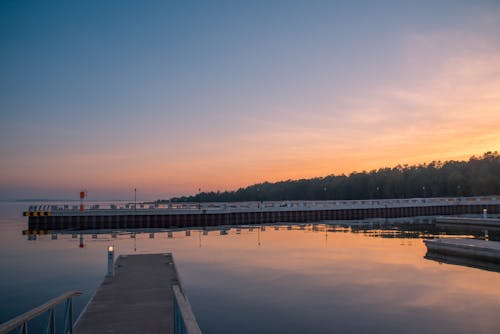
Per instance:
x=143, y=296
x=140, y=294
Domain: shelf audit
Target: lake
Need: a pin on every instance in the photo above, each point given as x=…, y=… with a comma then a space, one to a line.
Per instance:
x=308, y=278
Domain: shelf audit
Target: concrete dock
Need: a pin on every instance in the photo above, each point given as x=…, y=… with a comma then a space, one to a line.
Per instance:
x=139, y=298
x=482, y=250
x=478, y=224
x=181, y=215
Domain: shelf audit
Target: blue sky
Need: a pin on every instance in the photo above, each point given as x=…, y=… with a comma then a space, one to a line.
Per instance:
x=170, y=96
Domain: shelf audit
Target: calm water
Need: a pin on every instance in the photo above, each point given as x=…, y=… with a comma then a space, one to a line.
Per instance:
x=291, y=280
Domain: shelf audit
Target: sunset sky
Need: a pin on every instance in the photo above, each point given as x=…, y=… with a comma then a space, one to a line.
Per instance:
x=172, y=96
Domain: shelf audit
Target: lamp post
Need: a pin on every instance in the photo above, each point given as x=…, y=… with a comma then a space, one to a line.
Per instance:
x=199, y=198
x=111, y=258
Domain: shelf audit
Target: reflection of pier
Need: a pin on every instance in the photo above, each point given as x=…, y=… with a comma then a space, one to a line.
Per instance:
x=408, y=228
x=461, y=261
x=489, y=227
x=214, y=214
x=478, y=224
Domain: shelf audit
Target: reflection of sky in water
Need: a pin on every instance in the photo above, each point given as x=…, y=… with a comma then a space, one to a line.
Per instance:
x=294, y=281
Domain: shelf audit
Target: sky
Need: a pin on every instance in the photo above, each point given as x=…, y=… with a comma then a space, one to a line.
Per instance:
x=174, y=96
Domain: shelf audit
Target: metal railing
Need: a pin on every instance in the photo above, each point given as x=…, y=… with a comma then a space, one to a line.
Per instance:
x=144, y=208
x=21, y=322
x=184, y=319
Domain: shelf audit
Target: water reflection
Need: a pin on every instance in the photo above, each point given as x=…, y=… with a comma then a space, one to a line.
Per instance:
x=398, y=230
x=285, y=278
x=462, y=261
x=403, y=231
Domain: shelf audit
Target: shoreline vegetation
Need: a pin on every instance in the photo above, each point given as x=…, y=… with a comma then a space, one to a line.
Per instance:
x=477, y=176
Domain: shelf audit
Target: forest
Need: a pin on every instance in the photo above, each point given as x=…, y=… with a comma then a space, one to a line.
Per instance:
x=475, y=177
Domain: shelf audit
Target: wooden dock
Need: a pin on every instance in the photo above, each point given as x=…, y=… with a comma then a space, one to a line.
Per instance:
x=482, y=250
x=139, y=298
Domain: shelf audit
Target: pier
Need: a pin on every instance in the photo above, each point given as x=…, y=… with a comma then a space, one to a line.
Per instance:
x=98, y=216
x=483, y=250
x=140, y=294
x=478, y=224
x=143, y=296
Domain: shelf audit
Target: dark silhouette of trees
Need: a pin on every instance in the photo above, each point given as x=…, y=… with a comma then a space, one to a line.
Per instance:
x=475, y=177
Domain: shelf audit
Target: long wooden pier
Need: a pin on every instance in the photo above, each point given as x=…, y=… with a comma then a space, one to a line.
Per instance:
x=213, y=214
x=143, y=296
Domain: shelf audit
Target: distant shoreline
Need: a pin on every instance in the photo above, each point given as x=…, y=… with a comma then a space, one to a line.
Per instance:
x=26, y=200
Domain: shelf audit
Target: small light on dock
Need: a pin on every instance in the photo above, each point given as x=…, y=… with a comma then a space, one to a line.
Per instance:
x=111, y=259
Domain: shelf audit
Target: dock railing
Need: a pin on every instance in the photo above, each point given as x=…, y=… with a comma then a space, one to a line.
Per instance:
x=21, y=322
x=184, y=319
x=251, y=206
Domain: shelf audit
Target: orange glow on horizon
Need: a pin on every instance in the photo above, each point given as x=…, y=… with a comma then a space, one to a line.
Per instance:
x=447, y=112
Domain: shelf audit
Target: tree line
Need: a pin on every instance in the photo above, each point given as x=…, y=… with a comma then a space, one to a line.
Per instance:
x=476, y=177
